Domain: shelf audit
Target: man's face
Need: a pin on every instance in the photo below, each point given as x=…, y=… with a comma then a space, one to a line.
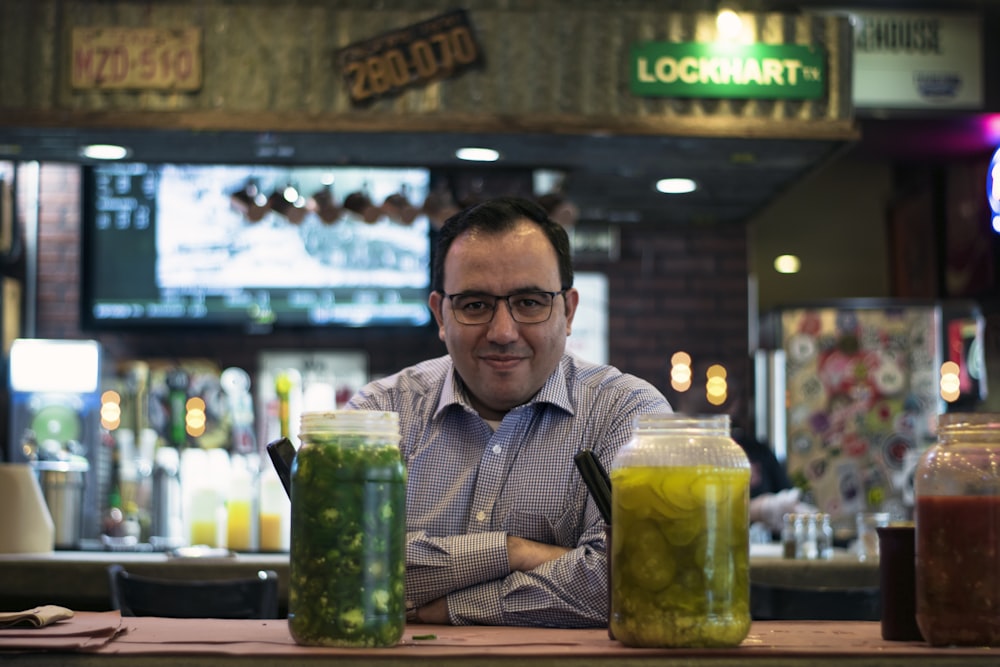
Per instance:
x=503, y=363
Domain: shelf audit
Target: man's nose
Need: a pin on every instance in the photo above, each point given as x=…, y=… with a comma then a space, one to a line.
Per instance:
x=503, y=326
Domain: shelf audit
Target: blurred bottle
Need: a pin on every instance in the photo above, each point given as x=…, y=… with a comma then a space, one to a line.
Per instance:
x=275, y=513
x=824, y=537
x=128, y=484
x=204, y=482
x=167, y=530
x=241, y=504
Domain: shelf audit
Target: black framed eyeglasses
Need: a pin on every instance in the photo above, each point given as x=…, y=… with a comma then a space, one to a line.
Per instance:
x=524, y=307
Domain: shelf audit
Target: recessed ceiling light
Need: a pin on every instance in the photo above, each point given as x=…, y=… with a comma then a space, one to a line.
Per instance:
x=104, y=152
x=474, y=154
x=787, y=264
x=676, y=186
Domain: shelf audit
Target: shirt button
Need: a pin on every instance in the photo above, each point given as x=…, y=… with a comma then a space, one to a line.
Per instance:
x=480, y=515
x=497, y=449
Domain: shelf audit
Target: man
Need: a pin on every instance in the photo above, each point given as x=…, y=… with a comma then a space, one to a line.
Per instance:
x=500, y=527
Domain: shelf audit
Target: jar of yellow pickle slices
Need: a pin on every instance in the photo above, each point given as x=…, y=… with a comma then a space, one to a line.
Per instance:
x=680, y=547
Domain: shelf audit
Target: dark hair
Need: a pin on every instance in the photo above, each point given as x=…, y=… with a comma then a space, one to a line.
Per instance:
x=494, y=216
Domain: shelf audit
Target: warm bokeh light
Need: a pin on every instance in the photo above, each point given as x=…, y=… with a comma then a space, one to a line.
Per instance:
x=716, y=387
x=111, y=416
x=716, y=371
x=111, y=410
x=729, y=24
x=950, y=383
x=716, y=399
x=194, y=417
x=680, y=371
x=680, y=359
x=787, y=264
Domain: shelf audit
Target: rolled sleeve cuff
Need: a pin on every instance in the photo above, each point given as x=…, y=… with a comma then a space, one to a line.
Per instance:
x=476, y=605
x=479, y=557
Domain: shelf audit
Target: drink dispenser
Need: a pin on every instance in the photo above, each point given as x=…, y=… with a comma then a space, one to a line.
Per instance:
x=55, y=426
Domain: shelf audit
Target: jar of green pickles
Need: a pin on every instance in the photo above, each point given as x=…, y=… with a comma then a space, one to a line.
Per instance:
x=348, y=538
x=680, y=547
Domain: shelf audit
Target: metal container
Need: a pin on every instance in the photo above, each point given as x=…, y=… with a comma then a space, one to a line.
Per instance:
x=62, y=484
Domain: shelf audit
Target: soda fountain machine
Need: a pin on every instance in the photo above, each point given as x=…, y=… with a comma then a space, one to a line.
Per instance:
x=55, y=426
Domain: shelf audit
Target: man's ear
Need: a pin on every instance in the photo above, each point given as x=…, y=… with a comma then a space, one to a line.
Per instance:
x=435, y=301
x=572, y=301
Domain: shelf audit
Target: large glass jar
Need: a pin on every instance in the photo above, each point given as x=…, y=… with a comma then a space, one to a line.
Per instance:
x=348, y=538
x=680, y=548
x=957, y=487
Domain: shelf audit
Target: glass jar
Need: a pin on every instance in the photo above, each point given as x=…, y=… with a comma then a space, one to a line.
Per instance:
x=680, y=546
x=348, y=531
x=957, y=516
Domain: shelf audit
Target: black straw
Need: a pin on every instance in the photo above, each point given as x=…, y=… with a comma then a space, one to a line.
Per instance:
x=597, y=481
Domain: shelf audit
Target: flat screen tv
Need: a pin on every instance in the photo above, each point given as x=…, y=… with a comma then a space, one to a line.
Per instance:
x=253, y=247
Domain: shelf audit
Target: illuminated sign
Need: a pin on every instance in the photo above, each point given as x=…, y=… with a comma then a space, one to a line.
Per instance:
x=993, y=190
x=917, y=60
x=783, y=71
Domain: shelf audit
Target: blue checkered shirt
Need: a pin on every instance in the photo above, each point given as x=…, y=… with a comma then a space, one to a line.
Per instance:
x=468, y=487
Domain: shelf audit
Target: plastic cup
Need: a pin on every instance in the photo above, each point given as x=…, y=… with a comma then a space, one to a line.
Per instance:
x=897, y=582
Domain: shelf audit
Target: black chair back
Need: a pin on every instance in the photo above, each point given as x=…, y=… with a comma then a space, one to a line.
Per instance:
x=135, y=595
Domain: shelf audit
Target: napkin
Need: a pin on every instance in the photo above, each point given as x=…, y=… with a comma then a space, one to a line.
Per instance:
x=77, y=631
x=38, y=617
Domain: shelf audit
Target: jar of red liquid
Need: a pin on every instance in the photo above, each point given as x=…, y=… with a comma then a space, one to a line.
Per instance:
x=957, y=485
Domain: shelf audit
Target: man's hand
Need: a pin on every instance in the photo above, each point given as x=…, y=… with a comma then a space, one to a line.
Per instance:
x=524, y=555
x=433, y=613
x=770, y=508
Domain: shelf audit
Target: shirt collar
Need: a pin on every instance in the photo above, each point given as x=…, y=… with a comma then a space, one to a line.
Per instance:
x=555, y=390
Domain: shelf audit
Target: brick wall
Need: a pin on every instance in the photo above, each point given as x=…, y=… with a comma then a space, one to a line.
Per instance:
x=673, y=288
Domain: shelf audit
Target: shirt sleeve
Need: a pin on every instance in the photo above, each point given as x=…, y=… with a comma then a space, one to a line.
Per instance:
x=436, y=566
x=570, y=591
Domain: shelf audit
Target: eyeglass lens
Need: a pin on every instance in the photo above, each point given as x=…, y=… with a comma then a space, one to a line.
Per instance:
x=526, y=308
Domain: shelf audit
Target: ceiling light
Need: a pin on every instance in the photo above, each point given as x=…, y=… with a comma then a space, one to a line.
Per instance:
x=104, y=152
x=787, y=264
x=473, y=154
x=729, y=24
x=676, y=186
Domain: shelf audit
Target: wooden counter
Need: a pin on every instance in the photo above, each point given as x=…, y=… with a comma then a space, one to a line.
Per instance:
x=101, y=639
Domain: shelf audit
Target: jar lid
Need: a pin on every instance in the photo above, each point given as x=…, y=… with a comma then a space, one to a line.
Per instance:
x=676, y=422
x=676, y=439
x=977, y=420
x=350, y=421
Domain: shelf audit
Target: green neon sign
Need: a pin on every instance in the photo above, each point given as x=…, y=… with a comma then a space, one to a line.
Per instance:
x=760, y=71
